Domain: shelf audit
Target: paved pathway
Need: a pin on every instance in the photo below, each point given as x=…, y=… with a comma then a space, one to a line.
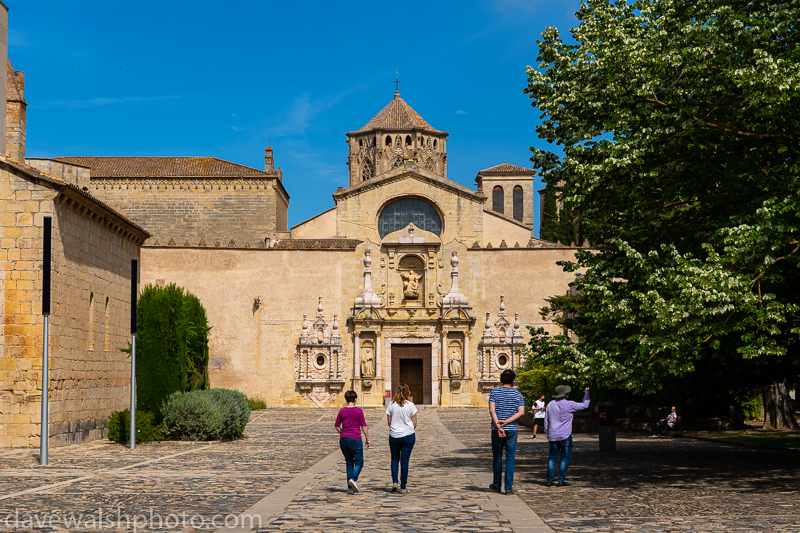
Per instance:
x=289, y=472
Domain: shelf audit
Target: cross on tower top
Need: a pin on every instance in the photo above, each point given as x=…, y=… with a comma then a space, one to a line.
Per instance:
x=397, y=82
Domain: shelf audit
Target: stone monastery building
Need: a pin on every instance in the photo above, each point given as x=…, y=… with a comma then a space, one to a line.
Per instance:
x=410, y=277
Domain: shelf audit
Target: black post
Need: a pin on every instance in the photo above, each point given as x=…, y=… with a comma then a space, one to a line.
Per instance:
x=134, y=296
x=47, y=257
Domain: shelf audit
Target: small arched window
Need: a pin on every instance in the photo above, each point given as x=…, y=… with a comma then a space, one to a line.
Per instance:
x=361, y=143
x=107, y=327
x=497, y=199
x=388, y=140
x=422, y=141
x=91, y=321
x=518, y=203
x=434, y=144
x=408, y=140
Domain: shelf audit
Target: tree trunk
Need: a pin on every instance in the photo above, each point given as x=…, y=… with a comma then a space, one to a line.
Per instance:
x=778, y=406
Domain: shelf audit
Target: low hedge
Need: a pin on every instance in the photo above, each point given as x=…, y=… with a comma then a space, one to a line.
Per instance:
x=119, y=424
x=205, y=414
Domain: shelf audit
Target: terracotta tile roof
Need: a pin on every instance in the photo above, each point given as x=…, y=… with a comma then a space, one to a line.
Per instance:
x=506, y=168
x=398, y=115
x=58, y=182
x=317, y=244
x=163, y=167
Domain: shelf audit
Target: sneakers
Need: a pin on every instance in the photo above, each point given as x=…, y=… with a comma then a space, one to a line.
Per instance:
x=548, y=484
x=350, y=491
x=654, y=436
x=402, y=491
x=564, y=484
x=534, y=436
x=511, y=492
x=494, y=488
x=395, y=487
x=352, y=483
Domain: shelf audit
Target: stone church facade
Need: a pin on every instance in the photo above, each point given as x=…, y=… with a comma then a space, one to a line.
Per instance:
x=410, y=277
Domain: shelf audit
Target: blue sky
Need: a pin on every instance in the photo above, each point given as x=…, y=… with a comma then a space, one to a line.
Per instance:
x=221, y=78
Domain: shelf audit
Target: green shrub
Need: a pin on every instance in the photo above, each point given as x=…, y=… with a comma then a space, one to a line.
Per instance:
x=256, y=403
x=205, y=415
x=192, y=416
x=171, y=345
x=119, y=424
x=234, y=410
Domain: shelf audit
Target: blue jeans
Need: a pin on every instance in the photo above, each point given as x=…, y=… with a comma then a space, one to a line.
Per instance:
x=499, y=444
x=565, y=447
x=401, y=451
x=353, y=451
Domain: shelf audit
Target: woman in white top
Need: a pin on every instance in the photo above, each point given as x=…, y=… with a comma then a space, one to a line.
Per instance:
x=402, y=418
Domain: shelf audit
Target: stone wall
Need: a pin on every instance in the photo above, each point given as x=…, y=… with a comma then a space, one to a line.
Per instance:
x=216, y=210
x=90, y=313
x=252, y=350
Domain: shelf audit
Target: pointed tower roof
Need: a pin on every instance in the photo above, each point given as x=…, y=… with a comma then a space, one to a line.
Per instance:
x=397, y=116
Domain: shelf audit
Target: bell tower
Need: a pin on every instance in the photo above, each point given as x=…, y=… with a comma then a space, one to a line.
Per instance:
x=393, y=136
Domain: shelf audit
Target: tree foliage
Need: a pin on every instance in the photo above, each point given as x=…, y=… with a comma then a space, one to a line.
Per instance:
x=171, y=345
x=679, y=124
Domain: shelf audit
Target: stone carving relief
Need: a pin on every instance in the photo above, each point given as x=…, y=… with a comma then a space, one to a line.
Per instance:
x=498, y=349
x=455, y=364
x=412, y=272
x=367, y=360
x=320, y=359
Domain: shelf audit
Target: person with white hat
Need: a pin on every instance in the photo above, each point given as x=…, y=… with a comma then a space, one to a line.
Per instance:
x=558, y=427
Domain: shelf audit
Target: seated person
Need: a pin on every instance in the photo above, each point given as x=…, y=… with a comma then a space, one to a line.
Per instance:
x=662, y=424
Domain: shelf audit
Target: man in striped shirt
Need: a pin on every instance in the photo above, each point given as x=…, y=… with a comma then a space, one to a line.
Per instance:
x=506, y=405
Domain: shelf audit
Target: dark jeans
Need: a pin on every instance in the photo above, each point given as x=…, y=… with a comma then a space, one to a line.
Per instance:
x=661, y=426
x=401, y=451
x=565, y=448
x=353, y=451
x=509, y=445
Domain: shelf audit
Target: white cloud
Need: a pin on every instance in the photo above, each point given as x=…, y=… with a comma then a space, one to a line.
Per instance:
x=461, y=112
x=96, y=102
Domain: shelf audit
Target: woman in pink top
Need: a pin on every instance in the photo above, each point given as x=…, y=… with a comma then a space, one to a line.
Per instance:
x=349, y=423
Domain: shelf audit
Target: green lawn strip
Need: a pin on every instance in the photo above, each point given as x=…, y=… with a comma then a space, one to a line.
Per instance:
x=781, y=440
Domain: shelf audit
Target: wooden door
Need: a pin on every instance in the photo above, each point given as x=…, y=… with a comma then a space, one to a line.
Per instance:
x=411, y=364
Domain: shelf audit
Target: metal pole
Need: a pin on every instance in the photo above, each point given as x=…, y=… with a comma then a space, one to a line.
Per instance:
x=134, y=296
x=45, y=430
x=47, y=239
x=133, y=391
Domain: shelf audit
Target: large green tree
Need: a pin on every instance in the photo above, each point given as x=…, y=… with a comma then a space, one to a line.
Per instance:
x=679, y=122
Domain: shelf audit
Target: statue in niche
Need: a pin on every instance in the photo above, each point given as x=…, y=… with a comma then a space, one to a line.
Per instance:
x=410, y=284
x=455, y=363
x=367, y=362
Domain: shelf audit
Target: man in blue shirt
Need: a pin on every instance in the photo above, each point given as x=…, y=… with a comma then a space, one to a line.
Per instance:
x=506, y=405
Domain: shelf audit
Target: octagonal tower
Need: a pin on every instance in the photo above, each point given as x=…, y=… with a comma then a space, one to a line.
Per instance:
x=393, y=136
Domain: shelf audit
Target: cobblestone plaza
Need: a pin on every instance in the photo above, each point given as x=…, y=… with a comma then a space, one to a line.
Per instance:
x=288, y=474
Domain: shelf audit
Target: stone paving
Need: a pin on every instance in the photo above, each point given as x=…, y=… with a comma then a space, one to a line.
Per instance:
x=664, y=485
x=652, y=485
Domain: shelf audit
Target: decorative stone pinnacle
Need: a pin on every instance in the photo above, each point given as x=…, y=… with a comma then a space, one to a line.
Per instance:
x=487, y=328
x=502, y=312
x=367, y=298
x=320, y=313
x=454, y=297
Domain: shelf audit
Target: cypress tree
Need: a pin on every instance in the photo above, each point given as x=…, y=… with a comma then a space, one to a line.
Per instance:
x=549, y=230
